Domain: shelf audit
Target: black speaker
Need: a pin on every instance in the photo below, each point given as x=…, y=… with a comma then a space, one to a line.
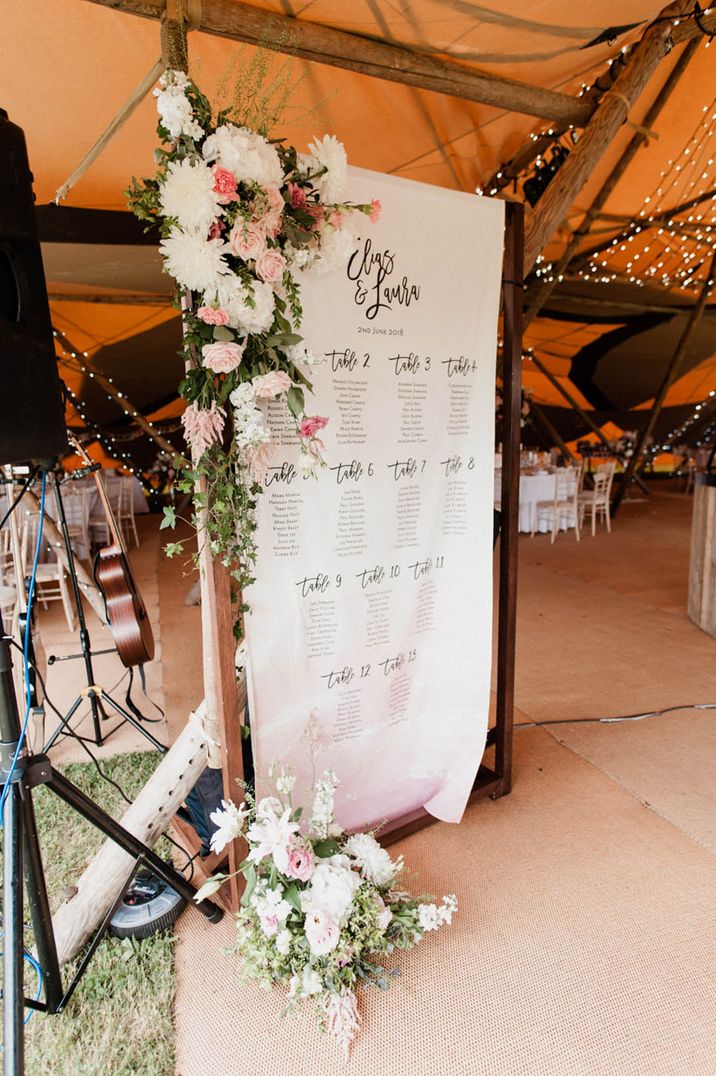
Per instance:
x=32, y=414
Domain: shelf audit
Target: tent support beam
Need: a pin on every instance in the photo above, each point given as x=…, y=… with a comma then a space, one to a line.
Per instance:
x=369, y=56
x=576, y=406
x=668, y=380
x=549, y=429
x=119, y=398
x=645, y=57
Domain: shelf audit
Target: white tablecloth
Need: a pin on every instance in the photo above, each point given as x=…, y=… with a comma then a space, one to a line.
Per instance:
x=533, y=488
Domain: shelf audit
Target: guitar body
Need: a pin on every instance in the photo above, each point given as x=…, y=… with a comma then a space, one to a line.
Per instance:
x=128, y=620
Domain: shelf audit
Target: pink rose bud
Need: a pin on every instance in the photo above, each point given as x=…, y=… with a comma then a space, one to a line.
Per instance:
x=222, y=357
x=224, y=185
x=247, y=241
x=311, y=426
x=375, y=211
x=271, y=384
x=213, y=315
x=270, y=266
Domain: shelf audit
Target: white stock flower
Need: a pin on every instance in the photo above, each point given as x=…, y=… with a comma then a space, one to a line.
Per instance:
x=187, y=194
x=373, y=861
x=245, y=153
x=250, y=425
x=430, y=916
x=322, y=811
x=283, y=942
x=271, y=837
x=229, y=820
x=174, y=107
x=194, y=261
x=332, y=888
x=331, y=154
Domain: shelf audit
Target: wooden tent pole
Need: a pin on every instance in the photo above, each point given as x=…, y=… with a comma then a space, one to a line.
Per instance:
x=614, y=109
x=546, y=288
x=668, y=380
x=576, y=406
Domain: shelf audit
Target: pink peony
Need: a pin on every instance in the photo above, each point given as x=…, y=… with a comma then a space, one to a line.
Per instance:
x=375, y=211
x=203, y=427
x=298, y=195
x=300, y=863
x=270, y=266
x=222, y=357
x=224, y=185
x=213, y=315
x=247, y=241
x=311, y=425
x=271, y=384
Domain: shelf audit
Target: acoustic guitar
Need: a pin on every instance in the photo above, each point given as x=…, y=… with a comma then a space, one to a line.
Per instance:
x=128, y=620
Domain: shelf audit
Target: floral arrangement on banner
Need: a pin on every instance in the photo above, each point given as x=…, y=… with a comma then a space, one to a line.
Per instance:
x=238, y=214
x=320, y=907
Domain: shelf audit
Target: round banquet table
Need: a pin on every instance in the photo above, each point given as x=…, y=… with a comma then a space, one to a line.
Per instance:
x=533, y=488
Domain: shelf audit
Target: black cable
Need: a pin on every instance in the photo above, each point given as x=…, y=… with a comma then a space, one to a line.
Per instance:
x=26, y=485
x=615, y=720
x=68, y=730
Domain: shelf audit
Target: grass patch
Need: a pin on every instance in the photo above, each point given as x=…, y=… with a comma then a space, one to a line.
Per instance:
x=119, y=1021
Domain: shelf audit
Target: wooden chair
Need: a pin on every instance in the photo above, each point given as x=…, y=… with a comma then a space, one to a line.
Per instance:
x=76, y=503
x=564, y=506
x=98, y=525
x=597, y=501
x=50, y=579
x=125, y=509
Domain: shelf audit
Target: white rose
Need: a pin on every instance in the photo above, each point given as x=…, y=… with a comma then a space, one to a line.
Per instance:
x=322, y=932
x=333, y=886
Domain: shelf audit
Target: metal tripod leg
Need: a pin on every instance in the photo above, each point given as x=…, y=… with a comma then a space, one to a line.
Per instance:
x=38, y=900
x=13, y=987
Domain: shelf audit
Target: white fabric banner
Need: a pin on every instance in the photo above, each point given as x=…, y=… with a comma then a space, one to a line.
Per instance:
x=369, y=639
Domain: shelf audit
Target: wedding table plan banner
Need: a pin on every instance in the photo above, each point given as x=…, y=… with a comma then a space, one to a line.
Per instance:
x=369, y=636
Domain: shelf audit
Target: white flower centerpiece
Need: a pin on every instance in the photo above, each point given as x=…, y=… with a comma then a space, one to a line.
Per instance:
x=238, y=213
x=320, y=907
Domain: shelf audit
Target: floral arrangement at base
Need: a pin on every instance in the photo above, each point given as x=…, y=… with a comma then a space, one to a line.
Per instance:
x=239, y=213
x=321, y=907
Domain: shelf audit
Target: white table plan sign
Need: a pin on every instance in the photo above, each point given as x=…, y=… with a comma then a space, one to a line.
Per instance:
x=369, y=636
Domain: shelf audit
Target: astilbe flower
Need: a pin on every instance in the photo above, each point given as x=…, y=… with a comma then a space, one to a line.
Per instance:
x=342, y=1019
x=203, y=426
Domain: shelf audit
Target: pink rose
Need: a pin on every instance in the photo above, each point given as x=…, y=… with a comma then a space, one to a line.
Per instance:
x=298, y=195
x=271, y=384
x=275, y=208
x=300, y=863
x=311, y=425
x=247, y=241
x=213, y=315
x=270, y=266
x=322, y=932
x=375, y=211
x=224, y=185
x=222, y=357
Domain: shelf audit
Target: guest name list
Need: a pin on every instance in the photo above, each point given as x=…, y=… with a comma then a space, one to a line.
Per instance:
x=370, y=633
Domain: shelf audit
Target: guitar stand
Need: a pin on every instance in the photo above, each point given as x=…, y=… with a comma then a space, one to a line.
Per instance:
x=21, y=855
x=93, y=692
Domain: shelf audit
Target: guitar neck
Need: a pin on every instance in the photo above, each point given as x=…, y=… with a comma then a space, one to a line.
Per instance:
x=115, y=530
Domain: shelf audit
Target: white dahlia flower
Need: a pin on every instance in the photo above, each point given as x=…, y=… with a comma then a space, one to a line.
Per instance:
x=245, y=153
x=188, y=195
x=330, y=154
x=194, y=261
